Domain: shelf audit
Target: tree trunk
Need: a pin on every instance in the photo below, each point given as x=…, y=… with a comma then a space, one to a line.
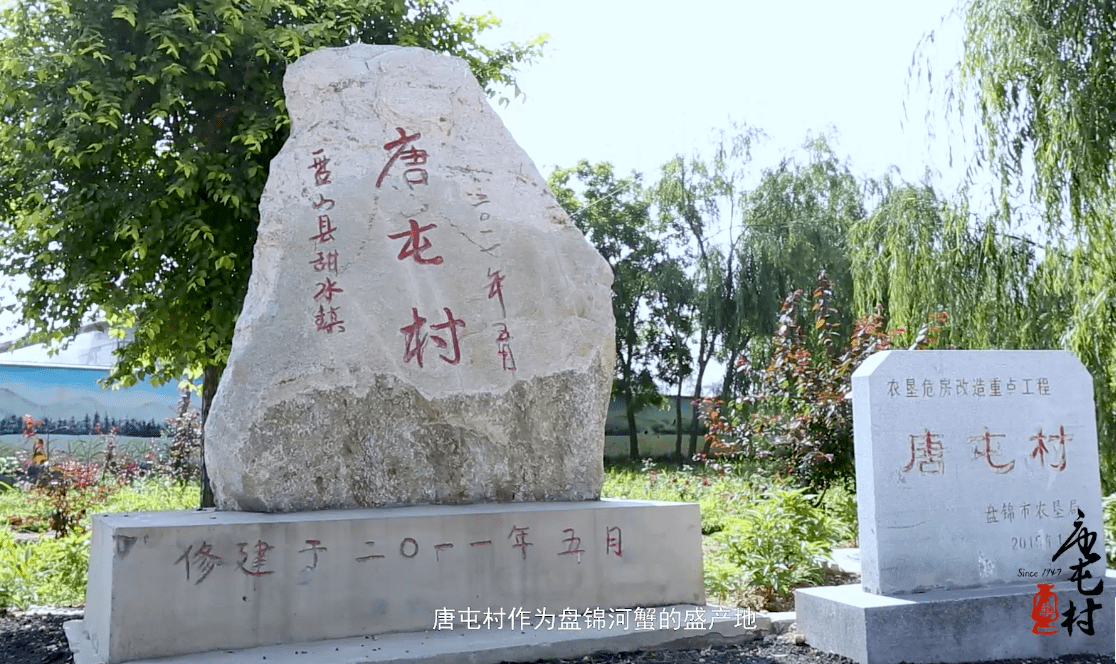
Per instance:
x=678, y=422
x=726, y=392
x=209, y=388
x=633, y=435
x=694, y=424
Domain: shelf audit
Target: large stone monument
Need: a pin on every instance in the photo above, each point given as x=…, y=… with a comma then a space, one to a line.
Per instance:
x=424, y=323
x=411, y=422
x=978, y=484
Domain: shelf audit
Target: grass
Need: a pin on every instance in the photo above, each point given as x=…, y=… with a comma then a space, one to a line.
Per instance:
x=761, y=539
x=41, y=567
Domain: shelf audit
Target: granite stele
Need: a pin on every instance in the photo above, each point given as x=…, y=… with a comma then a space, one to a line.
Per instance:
x=410, y=427
x=981, y=532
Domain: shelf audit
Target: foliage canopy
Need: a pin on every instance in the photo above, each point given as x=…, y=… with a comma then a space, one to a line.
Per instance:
x=1043, y=76
x=135, y=139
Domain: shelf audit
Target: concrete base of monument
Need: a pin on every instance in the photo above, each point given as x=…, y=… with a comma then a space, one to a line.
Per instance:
x=948, y=626
x=163, y=584
x=483, y=646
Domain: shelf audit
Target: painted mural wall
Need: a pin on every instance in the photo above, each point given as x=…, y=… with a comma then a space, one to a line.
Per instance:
x=74, y=410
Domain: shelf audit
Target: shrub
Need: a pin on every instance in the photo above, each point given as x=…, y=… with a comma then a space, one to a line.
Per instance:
x=74, y=488
x=795, y=417
x=17, y=573
x=777, y=544
x=62, y=569
x=185, y=435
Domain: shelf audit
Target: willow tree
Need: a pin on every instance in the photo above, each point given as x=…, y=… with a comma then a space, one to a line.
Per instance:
x=917, y=254
x=698, y=198
x=135, y=139
x=795, y=223
x=1043, y=76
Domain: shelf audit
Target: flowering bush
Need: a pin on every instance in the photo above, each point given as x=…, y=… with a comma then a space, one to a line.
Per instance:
x=185, y=434
x=795, y=416
x=74, y=487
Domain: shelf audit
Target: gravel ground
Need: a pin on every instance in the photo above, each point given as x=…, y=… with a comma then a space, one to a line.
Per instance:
x=39, y=639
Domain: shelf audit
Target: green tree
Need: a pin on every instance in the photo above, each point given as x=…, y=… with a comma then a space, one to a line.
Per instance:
x=672, y=317
x=796, y=223
x=691, y=197
x=614, y=215
x=1043, y=76
x=916, y=255
x=794, y=226
x=135, y=139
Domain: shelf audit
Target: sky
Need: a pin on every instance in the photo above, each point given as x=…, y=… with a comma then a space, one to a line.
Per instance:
x=636, y=82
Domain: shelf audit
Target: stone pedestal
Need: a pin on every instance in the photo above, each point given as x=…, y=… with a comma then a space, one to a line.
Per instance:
x=173, y=583
x=978, y=624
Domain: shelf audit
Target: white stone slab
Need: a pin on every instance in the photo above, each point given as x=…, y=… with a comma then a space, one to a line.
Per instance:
x=171, y=583
x=949, y=626
x=953, y=488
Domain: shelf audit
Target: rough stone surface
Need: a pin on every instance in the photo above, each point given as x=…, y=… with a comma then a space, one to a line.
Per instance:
x=971, y=467
x=424, y=324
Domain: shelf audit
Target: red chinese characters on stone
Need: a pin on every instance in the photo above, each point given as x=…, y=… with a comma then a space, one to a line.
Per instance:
x=503, y=348
x=372, y=556
x=494, y=286
x=451, y=323
x=521, y=542
x=321, y=175
x=327, y=290
x=410, y=156
x=258, y=561
x=313, y=549
x=327, y=321
x=988, y=451
x=1061, y=438
x=203, y=558
x=415, y=341
x=927, y=450
x=1040, y=450
x=573, y=543
x=325, y=262
x=322, y=200
x=507, y=359
x=416, y=244
x=325, y=230
x=613, y=542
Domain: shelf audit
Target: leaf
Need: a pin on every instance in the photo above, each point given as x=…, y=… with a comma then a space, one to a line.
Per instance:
x=126, y=13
